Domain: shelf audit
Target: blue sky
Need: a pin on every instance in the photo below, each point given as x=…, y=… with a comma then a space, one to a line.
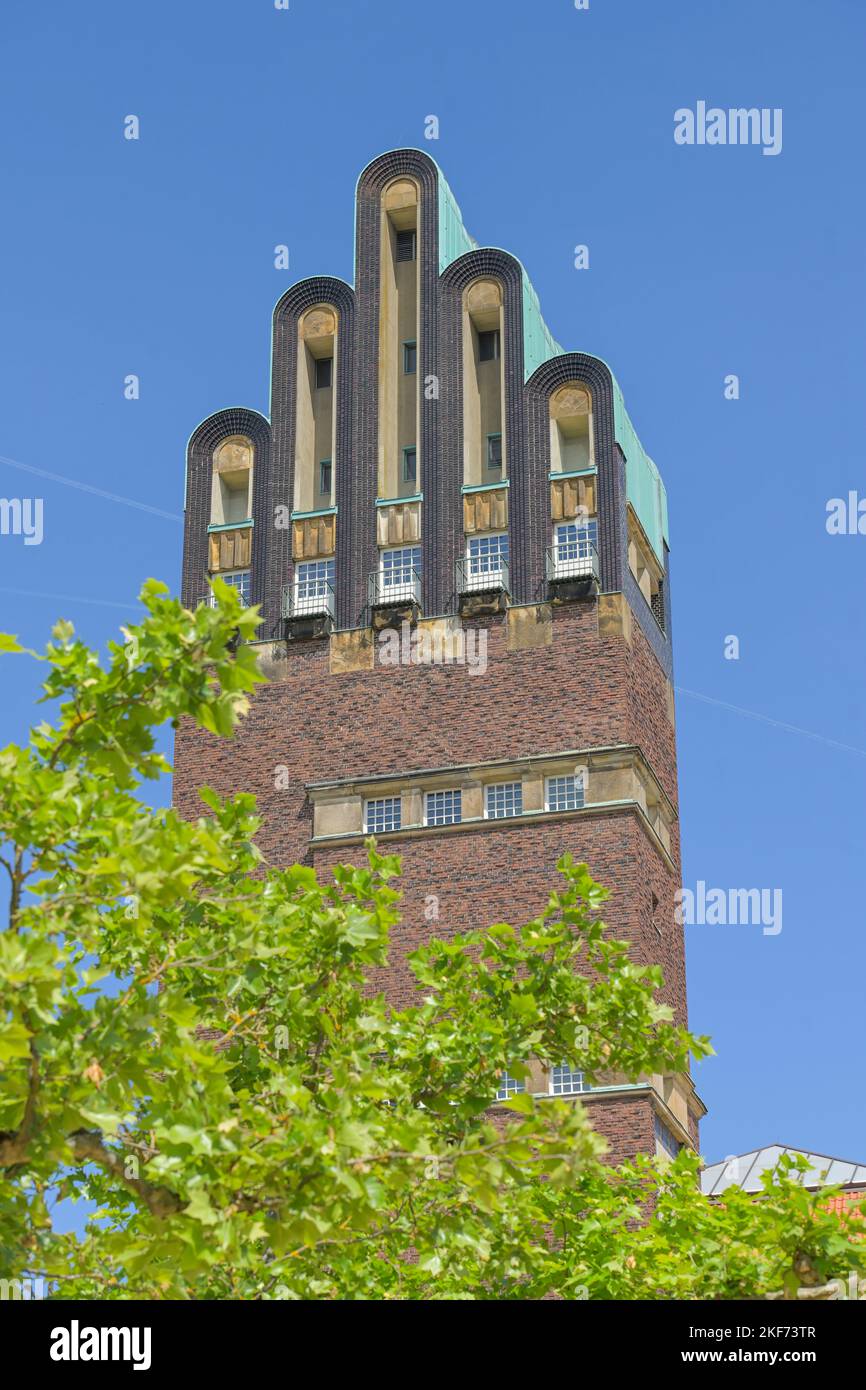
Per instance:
x=155, y=257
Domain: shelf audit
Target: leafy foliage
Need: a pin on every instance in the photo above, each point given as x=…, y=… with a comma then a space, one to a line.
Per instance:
x=189, y=1037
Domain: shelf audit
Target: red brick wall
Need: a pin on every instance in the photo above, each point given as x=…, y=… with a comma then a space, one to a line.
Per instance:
x=583, y=691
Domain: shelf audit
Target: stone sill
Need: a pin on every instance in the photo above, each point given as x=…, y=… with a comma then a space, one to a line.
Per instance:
x=470, y=823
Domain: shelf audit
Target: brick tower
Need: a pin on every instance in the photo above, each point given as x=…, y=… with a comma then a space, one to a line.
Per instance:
x=460, y=550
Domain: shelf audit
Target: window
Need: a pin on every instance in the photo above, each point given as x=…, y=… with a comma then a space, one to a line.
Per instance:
x=239, y=580
x=565, y=1081
x=657, y=604
x=503, y=799
x=325, y=475
x=407, y=245
x=564, y=793
x=382, y=814
x=443, y=808
x=574, y=547
x=410, y=358
x=665, y=1138
x=410, y=464
x=509, y=1086
x=488, y=345
x=397, y=566
x=314, y=584
x=324, y=372
x=487, y=554
x=494, y=452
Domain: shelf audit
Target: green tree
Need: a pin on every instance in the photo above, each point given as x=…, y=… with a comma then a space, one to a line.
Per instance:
x=188, y=1036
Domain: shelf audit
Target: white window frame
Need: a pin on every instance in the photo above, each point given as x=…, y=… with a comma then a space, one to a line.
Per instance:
x=408, y=586
x=319, y=595
x=229, y=576
x=571, y=1085
x=516, y=798
x=579, y=796
x=456, y=794
x=390, y=804
x=573, y=553
x=479, y=571
x=509, y=1086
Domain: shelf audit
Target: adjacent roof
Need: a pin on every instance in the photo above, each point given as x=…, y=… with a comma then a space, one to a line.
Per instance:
x=746, y=1170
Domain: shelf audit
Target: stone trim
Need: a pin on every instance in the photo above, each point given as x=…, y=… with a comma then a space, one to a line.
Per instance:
x=618, y=777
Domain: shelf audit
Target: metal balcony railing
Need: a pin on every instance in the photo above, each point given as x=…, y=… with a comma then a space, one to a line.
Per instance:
x=311, y=598
x=480, y=574
x=402, y=584
x=576, y=559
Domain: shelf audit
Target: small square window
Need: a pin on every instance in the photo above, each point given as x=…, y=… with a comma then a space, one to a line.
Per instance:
x=565, y=1081
x=407, y=245
x=494, y=452
x=238, y=580
x=314, y=583
x=325, y=475
x=410, y=465
x=565, y=793
x=385, y=813
x=443, y=808
x=503, y=799
x=324, y=372
x=486, y=554
x=399, y=574
x=410, y=358
x=509, y=1086
x=488, y=345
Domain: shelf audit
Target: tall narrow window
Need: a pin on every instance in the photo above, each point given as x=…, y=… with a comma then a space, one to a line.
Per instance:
x=410, y=359
x=324, y=372
x=407, y=245
x=410, y=464
x=325, y=476
x=488, y=345
x=494, y=454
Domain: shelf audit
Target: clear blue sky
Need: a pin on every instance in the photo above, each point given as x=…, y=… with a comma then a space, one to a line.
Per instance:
x=156, y=258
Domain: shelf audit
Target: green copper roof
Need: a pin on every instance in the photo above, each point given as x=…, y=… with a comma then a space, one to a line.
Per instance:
x=644, y=485
x=539, y=344
x=454, y=240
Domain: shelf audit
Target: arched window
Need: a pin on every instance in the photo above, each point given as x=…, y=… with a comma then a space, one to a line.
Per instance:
x=572, y=447
x=484, y=443
x=315, y=416
x=400, y=462
x=231, y=510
